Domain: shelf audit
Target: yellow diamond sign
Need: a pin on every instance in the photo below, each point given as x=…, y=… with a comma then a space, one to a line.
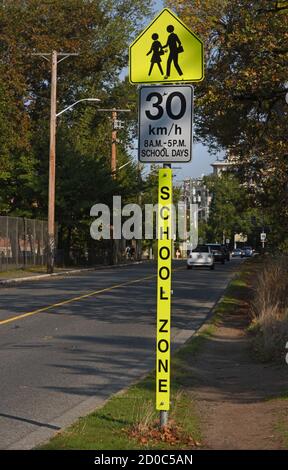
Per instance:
x=166, y=51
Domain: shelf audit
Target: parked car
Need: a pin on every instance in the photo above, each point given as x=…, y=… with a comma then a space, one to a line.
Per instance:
x=217, y=251
x=248, y=251
x=201, y=256
x=237, y=253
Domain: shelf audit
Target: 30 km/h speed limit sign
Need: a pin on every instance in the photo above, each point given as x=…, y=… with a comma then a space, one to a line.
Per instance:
x=165, y=124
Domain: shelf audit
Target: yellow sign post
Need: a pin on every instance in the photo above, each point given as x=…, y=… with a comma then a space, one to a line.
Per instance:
x=164, y=290
x=166, y=51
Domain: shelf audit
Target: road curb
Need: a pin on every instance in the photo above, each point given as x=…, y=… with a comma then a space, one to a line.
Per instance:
x=19, y=280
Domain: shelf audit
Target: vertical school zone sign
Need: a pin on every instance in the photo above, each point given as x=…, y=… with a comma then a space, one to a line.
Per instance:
x=164, y=290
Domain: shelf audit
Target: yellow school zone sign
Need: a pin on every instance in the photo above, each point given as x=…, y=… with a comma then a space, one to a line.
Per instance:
x=166, y=51
x=164, y=290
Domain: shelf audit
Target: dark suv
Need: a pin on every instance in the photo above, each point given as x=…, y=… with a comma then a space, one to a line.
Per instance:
x=247, y=251
x=218, y=252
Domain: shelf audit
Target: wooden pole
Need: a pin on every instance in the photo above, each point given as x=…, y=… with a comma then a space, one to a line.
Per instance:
x=113, y=150
x=52, y=164
x=51, y=242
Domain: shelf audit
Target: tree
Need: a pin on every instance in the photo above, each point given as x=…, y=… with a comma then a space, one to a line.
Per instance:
x=241, y=103
x=17, y=161
x=230, y=210
x=100, y=32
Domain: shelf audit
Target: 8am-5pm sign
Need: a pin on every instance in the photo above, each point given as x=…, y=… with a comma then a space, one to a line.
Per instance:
x=164, y=290
x=165, y=124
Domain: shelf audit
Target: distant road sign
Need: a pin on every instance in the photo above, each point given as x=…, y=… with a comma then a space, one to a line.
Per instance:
x=166, y=51
x=165, y=124
x=263, y=237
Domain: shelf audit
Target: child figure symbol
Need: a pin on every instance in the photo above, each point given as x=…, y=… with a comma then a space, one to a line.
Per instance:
x=156, y=51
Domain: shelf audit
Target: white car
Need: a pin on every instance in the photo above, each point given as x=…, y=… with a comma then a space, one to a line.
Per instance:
x=201, y=256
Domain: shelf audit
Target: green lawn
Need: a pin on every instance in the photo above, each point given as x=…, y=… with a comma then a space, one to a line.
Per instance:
x=28, y=271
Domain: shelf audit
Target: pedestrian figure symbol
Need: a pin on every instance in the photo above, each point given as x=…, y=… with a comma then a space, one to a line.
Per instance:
x=157, y=50
x=166, y=52
x=175, y=48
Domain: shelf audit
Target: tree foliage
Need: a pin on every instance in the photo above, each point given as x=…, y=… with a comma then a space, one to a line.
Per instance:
x=100, y=31
x=240, y=106
x=230, y=210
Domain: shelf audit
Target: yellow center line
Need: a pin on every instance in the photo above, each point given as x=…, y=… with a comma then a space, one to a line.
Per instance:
x=75, y=299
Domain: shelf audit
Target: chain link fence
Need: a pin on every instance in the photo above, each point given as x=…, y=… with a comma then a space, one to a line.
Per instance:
x=23, y=242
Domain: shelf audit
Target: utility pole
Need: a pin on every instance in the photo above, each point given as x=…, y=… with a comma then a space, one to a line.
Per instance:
x=114, y=149
x=116, y=124
x=52, y=166
x=114, y=243
x=51, y=245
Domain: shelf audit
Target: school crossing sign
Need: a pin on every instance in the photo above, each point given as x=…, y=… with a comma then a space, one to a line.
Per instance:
x=166, y=51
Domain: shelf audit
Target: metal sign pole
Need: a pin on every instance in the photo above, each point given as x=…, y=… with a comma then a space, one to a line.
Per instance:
x=164, y=416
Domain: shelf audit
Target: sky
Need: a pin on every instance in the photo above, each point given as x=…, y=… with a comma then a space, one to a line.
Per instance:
x=201, y=159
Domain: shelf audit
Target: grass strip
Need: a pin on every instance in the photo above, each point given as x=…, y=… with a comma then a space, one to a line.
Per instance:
x=27, y=272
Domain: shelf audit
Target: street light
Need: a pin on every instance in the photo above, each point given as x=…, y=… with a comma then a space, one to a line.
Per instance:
x=52, y=163
x=125, y=164
x=76, y=102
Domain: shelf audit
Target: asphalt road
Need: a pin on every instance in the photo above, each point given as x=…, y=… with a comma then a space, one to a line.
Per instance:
x=59, y=362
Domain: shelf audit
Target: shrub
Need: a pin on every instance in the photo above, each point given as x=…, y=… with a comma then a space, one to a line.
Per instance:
x=270, y=308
